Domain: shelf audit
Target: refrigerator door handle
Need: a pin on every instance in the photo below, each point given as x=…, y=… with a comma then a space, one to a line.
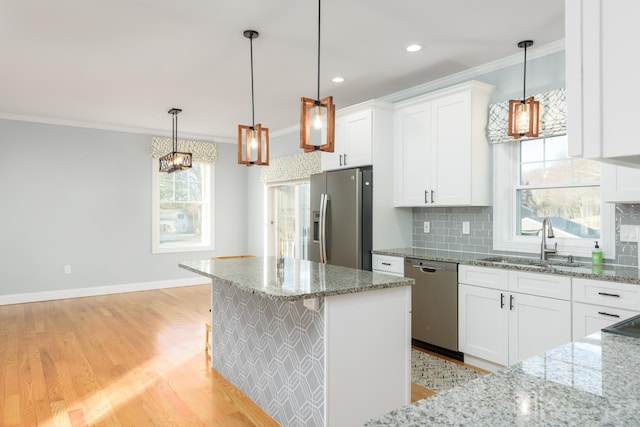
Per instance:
x=323, y=227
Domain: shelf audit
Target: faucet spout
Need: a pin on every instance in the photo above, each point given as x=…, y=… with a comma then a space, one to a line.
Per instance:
x=547, y=232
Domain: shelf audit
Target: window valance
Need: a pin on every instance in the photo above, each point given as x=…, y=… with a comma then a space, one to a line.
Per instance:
x=203, y=152
x=288, y=168
x=553, y=117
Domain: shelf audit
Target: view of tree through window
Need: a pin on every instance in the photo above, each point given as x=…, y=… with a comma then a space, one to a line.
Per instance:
x=181, y=206
x=554, y=185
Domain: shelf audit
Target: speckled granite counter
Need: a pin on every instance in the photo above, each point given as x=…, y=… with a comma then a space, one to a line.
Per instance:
x=298, y=280
x=592, y=382
x=585, y=270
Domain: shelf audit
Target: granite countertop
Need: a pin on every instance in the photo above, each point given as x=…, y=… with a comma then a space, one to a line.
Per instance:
x=591, y=382
x=607, y=272
x=299, y=279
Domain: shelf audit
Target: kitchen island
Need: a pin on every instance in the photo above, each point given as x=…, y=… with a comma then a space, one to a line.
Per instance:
x=591, y=382
x=312, y=344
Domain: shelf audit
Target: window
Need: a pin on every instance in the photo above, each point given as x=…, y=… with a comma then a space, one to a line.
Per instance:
x=182, y=214
x=535, y=179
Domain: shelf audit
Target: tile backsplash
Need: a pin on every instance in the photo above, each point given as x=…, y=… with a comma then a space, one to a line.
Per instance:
x=446, y=230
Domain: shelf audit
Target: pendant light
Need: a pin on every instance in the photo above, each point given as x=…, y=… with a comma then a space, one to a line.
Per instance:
x=312, y=112
x=253, y=141
x=176, y=160
x=524, y=115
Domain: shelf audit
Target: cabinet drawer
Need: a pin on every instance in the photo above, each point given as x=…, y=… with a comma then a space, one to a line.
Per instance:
x=494, y=278
x=544, y=285
x=589, y=318
x=388, y=264
x=609, y=294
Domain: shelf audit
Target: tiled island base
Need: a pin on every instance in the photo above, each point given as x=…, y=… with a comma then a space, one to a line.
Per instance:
x=305, y=367
x=271, y=350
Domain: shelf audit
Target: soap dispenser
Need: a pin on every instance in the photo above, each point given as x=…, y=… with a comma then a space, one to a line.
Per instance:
x=596, y=255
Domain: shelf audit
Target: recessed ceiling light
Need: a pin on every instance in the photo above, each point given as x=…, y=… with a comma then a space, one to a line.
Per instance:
x=337, y=79
x=413, y=48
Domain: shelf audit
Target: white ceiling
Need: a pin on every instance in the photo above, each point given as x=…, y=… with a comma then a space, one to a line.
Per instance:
x=125, y=63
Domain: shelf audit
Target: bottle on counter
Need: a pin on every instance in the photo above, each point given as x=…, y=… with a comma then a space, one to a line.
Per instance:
x=596, y=255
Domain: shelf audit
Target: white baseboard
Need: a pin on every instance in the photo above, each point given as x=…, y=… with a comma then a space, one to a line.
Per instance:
x=99, y=290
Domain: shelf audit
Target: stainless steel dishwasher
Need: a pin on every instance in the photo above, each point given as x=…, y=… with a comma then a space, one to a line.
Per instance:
x=434, y=305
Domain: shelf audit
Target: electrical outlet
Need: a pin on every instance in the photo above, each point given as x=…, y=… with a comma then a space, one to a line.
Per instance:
x=427, y=227
x=466, y=227
x=67, y=269
x=629, y=233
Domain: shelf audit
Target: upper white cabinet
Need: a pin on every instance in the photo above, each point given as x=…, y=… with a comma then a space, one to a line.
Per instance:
x=353, y=139
x=620, y=184
x=601, y=96
x=442, y=157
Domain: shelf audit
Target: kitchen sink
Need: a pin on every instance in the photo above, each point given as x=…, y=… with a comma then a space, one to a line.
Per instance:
x=531, y=262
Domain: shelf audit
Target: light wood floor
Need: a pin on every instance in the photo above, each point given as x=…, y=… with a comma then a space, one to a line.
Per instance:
x=134, y=359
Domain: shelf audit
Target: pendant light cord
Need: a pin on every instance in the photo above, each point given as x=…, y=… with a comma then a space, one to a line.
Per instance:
x=253, y=114
x=174, y=133
x=319, y=9
x=524, y=85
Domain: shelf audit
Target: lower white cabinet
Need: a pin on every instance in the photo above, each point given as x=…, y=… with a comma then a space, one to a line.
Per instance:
x=619, y=184
x=597, y=304
x=503, y=327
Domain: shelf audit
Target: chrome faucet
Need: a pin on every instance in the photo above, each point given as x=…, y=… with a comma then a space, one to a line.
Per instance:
x=547, y=231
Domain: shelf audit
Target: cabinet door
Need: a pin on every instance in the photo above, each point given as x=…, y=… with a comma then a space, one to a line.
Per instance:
x=483, y=323
x=601, y=101
x=620, y=184
x=413, y=149
x=353, y=142
x=450, y=161
x=536, y=324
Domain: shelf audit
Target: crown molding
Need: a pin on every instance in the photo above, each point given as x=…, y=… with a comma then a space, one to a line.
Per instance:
x=115, y=128
x=472, y=73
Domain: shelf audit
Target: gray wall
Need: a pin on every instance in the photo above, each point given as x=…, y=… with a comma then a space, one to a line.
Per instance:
x=82, y=197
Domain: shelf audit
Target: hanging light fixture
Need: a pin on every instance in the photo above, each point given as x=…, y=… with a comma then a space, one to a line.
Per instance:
x=524, y=114
x=176, y=160
x=311, y=114
x=253, y=141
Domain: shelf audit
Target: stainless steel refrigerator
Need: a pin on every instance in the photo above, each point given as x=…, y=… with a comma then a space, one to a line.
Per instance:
x=341, y=224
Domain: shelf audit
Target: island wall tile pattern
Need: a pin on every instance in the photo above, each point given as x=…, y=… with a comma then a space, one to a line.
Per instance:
x=271, y=350
x=446, y=231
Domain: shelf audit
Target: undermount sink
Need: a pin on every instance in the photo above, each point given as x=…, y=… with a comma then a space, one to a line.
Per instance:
x=531, y=262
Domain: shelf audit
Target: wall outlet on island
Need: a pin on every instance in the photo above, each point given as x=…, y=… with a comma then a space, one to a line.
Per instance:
x=67, y=269
x=427, y=227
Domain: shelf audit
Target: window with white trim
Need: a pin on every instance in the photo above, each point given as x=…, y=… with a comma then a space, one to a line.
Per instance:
x=181, y=208
x=534, y=179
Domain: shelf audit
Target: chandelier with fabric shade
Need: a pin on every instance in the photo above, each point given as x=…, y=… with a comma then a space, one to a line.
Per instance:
x=317, y=113
x=524, y=114
x=175, y=160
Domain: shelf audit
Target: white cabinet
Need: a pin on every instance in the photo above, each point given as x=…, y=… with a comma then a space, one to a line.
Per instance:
x=388, y=265
x=441, y=152
x=353, y=140
x=620, y=184
x=501, y=326
x=601, y=96
x=597, y=304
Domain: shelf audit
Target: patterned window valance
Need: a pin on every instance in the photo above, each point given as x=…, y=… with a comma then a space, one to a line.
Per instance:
x=553, y=117
x=287, y=168
x=203, y=152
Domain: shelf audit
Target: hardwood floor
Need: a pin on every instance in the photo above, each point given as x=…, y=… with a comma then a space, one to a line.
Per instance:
x=134, y=359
